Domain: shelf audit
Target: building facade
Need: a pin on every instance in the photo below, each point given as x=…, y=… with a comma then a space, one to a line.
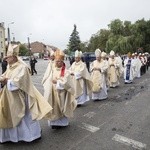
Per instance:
x=2, y=41
x=38, y=47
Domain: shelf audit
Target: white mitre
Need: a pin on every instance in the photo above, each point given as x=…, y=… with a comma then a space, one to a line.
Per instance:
x=78, y=53
x=103, y=54
x=112, y=53
x=52, y=53
x=97, y=52
x=13, y=50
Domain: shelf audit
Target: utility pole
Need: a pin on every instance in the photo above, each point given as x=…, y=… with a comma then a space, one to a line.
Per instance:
x=8, y=30
x=29, y=45
x=13, y=37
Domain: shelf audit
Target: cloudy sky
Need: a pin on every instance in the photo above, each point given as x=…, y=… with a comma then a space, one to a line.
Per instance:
x=51, y=21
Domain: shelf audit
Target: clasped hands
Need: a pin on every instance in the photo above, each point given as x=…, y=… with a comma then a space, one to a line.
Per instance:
x=3, y=80
x=55, y=80
x=97, y=69
x=112, y=65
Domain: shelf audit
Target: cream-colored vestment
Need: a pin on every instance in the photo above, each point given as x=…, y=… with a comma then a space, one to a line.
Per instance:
x=12, y=103
x=113, y=72
x=61, y=95
x=98, y=69
x=81, y=77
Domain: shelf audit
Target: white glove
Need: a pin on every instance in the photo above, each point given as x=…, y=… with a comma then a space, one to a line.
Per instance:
x=77, y=76
x=59, y=85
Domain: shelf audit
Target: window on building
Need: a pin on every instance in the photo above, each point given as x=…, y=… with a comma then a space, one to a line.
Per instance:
x=1, y=44
x=1, y=34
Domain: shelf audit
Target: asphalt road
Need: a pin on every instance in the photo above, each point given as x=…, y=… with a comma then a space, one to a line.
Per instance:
x=122, y=122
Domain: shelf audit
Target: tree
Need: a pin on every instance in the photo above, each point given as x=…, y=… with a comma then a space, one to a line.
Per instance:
x=127, y=28
x=84, y=46
x=121, y=36
x=116, y=27
x=93, y=44
x=147, y=38
x=99, y=40
x=23, y=50
x=74, y=41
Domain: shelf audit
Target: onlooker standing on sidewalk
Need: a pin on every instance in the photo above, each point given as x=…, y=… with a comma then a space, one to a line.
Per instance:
x=33, y=61
x=87, y=62
x=4, y=65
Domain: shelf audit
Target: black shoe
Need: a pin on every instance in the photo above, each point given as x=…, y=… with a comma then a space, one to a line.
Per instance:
x=38, y=139
x=56, y=127
x=34, y=141
x=79, y=105
x=7, y=142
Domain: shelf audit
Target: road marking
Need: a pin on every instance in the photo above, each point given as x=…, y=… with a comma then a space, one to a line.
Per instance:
x=133, y=100
x=118, y=96
x=89, y=115
x=129, y=142
x=103, y=105
x=93, y=128
x=89, y=127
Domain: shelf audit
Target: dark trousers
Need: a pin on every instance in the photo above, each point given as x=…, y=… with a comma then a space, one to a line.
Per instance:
x=88, y=66
x=143, y=69
x=33, y=70
x=147, y=66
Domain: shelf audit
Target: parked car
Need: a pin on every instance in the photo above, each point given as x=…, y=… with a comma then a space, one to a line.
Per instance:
x=46, y=58
x=25, y=58
x=89, y=56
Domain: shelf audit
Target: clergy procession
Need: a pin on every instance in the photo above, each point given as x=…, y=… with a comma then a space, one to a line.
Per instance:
x=66, y=89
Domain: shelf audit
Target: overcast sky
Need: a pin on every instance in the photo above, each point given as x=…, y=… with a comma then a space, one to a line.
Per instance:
x=51, y=21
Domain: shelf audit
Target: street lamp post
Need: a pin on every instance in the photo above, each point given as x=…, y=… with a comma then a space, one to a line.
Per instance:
x=13, y=37
x=8, y=30
x=29, y=45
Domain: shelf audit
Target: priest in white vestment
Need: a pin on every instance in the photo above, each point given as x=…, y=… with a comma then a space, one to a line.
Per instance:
x=113, y=70
x=120, y=62
x=59, y=92
x=81, y=79
x=103, y=57
x=129, y=69
x=21, y=104
x=51, y=64
x=138, y=65
x=98, y=69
